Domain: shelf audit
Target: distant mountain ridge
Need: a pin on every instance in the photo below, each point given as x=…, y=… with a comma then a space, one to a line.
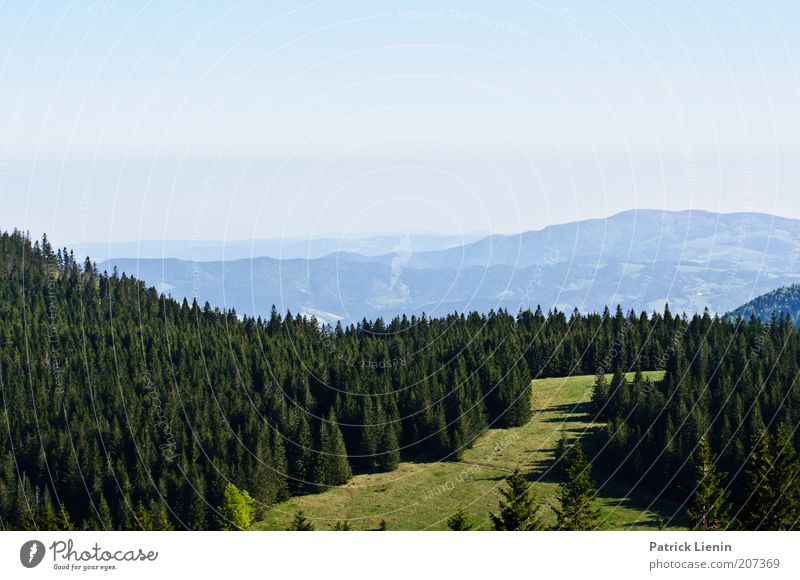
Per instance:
x=286, y=248
x=638, y=259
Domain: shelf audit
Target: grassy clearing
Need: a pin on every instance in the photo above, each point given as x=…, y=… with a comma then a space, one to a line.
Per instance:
x=421, y=496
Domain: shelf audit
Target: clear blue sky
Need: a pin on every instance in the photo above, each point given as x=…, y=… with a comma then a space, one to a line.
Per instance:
x=235, y=120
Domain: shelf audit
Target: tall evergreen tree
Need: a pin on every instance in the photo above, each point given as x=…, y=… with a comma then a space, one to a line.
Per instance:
x=759, y=494
x=299, y=453
x=600, y=396
x=342, y=526
x=332, y=466
x=709, y=505
x=459, y=521
x=785, y=478
x=519, y=508
x=142, y=518
x=576, y=493
x=301, y=524
x=162, y=523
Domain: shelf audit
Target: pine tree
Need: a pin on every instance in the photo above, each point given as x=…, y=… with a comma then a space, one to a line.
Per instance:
x=600, y=397
x=161, y=521
x=104, y=513
x=299, y=453
x=709, y=507
x=388, y=448
x=576, y=492
x=759, y=497
x=519, y=509
x=342, y=526
x=300, y=523
x=370, y=433
x=785, y=481
x=332, y=466
x=142, y=517
x=64, y=520
x=459, y=521
x=47, y=518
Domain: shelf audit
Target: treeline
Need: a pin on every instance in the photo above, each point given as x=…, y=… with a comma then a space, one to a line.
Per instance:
x=730, y=392
x=126, y=409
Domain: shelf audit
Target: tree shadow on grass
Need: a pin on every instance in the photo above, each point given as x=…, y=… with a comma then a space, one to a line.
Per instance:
x=572, y=412
x=614, y=492
x=620, y=493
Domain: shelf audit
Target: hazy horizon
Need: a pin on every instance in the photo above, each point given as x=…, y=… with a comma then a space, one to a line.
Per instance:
x=367, y=235
x=251, y=122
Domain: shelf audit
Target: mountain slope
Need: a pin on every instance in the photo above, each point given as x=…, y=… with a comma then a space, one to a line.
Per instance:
x=784, y=300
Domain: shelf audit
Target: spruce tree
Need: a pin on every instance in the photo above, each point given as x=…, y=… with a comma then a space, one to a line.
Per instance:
x=332, y=466
x=300, y=523
x=162, y=523
x=785, y=478
x=600, y=396
x=142, y=518
x=519, y=508
x=388, y=448
x=758, y=494
x=709, y=505
x=64, y=520
x=342, y=526
x=48, y=519
x=370, y=433
x=459, y=521
x=104, y=513
x=299, y=452
x=575, y=494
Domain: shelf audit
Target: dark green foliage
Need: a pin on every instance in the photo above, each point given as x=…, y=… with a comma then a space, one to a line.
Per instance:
x=758, y=493
x=733, y=382
x=600, y=395
x=115, y=396
x=519, y=508
x=342, y=526
x=772, y=483
x=459, y=521
x=576, y=492
x=709, y=505
x=301, y=524
x=785, y=511
x=142, y=516
x=332, y=467
x=130, y=390
x=161, y=522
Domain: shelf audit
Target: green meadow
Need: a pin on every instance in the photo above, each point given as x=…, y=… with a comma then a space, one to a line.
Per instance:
x=421, y=496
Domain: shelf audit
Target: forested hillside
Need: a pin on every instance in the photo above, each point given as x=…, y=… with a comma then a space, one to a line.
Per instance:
x=785, y=300
x=125, y=409
x=735, y=387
